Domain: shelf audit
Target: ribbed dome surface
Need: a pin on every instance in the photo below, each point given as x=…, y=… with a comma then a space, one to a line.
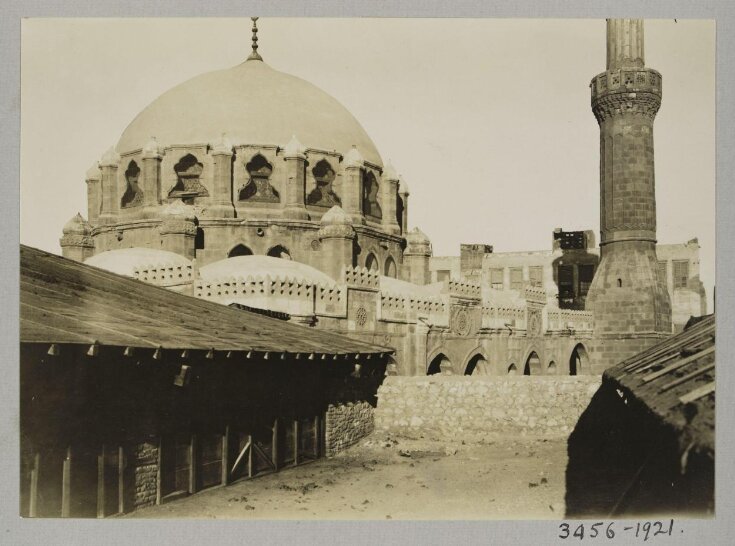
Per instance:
x=252, y=104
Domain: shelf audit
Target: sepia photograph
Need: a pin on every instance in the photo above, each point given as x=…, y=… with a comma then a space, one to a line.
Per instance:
x=368, y=269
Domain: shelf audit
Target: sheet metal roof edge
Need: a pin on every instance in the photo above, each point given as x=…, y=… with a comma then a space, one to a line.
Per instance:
x=352, y=346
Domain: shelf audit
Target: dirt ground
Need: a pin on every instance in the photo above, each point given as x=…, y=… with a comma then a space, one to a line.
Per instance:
x=396, y=478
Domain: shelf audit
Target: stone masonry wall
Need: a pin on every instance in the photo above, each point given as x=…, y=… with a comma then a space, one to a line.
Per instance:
x=456, y=408
x=145, y=471
x=347, y=424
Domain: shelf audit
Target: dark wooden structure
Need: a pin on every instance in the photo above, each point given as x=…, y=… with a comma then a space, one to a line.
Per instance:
x=132, y=395
x=646, y=443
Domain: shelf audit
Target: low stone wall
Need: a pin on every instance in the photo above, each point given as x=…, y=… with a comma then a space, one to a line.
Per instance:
x=474, y=408
x=347, y=424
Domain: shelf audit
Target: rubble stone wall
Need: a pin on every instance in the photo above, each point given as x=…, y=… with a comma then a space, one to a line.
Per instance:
x=475, y=408
x=347, y=424
x=145, y=474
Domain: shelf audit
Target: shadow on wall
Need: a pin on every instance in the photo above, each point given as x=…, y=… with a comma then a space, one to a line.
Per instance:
x=625, y=463
x=573, y=273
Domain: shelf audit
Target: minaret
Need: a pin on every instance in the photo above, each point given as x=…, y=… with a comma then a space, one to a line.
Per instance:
x=631, y=305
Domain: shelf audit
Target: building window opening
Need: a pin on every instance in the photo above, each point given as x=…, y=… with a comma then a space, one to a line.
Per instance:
x=536, y=276
x=440, y=364
x=371, y=262
x=681, y=273
x=516, y=278
x=533, y=364
x=279, y=251
x=390, y=267
x=239, y=250
x=496, y=279
x=586, y=273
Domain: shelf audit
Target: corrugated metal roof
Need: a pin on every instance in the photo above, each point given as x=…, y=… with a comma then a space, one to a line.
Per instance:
x=676, y=379
x=63, y=301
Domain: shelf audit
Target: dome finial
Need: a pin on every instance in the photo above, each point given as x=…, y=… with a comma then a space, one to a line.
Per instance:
x=254, y=56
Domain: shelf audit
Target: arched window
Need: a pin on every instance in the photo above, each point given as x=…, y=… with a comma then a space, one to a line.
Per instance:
x=370, y=206
x=440, y=364
x=279, y=251
x=399, y=212
x=371, y=262
x=477, y=366
x=512, y=370
x=578, y=360
x=390, y=268
x=533, y=364
x=258, y=187
x=188, y=184
x=323, y=195
x=239, y=250
x=551, y=370
x=133, y=195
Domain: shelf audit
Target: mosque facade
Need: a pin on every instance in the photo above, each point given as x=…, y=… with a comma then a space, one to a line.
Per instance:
x=251, y=187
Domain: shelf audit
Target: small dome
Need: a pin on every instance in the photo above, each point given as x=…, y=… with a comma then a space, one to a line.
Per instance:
x=416, y=236
x=151, y=147
x=93, y=173
x=124, y=261
x=294, y=148
x=110, y=157
x=179, y=210
x=253, y=104
x=223, y=145
x=336, y=216
x=403, y=186
x=261, y=266
x=77, y=226
x=354, y=158
x=389, y=173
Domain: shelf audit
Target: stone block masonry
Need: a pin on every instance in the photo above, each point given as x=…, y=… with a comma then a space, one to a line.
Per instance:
x=457, y=408
x=347, y=424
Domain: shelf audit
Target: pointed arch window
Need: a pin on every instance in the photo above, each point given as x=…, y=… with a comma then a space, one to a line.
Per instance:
x=188, y=179
x=258, y=187
x=133, y=196
x=370, y=205
x=323, y=195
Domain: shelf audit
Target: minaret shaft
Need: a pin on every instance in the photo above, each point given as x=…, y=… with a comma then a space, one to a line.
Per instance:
x=626, y=296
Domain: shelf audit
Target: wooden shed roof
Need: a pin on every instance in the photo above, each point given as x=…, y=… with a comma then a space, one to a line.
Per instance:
x=66, y=302
x=675, y=379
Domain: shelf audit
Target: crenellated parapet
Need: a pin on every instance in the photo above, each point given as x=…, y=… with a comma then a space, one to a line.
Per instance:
x=463, y=290
x=504, y=318
x=406, y=308
x=166, y=275
x=361, y=278
x=534, y=295
x=566, y=319
x=330, y=300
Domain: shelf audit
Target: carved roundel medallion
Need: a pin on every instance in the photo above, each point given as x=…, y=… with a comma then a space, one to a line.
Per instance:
x=361, y=316
x=462, y=322
x=315, y=244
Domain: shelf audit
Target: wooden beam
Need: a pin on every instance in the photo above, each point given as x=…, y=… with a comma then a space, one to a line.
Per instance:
x=244, y=450
x=274, y=447
x=101, y=483
x=295, y=442
x=317, y=436
x=193, y=464
x=33, y=501
x=226, y=455
x=121, y=480
x=250, y=457
x=66, y=485
x=159, y=469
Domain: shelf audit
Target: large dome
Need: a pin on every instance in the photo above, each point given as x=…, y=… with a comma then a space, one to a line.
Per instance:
x=252, y=104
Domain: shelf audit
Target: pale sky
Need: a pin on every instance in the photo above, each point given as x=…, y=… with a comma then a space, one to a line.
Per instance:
x=488, y=120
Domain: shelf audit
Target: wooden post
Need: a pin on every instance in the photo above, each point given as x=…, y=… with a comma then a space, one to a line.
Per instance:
x=250, y=456
x=101, y=483
x=226, y=456
x=317, y=436
x=66, y=485
x=159, y=471
x=121, y=480
x=33, y=501
x=296, y=430
x=274, y=450
x=193, y=464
